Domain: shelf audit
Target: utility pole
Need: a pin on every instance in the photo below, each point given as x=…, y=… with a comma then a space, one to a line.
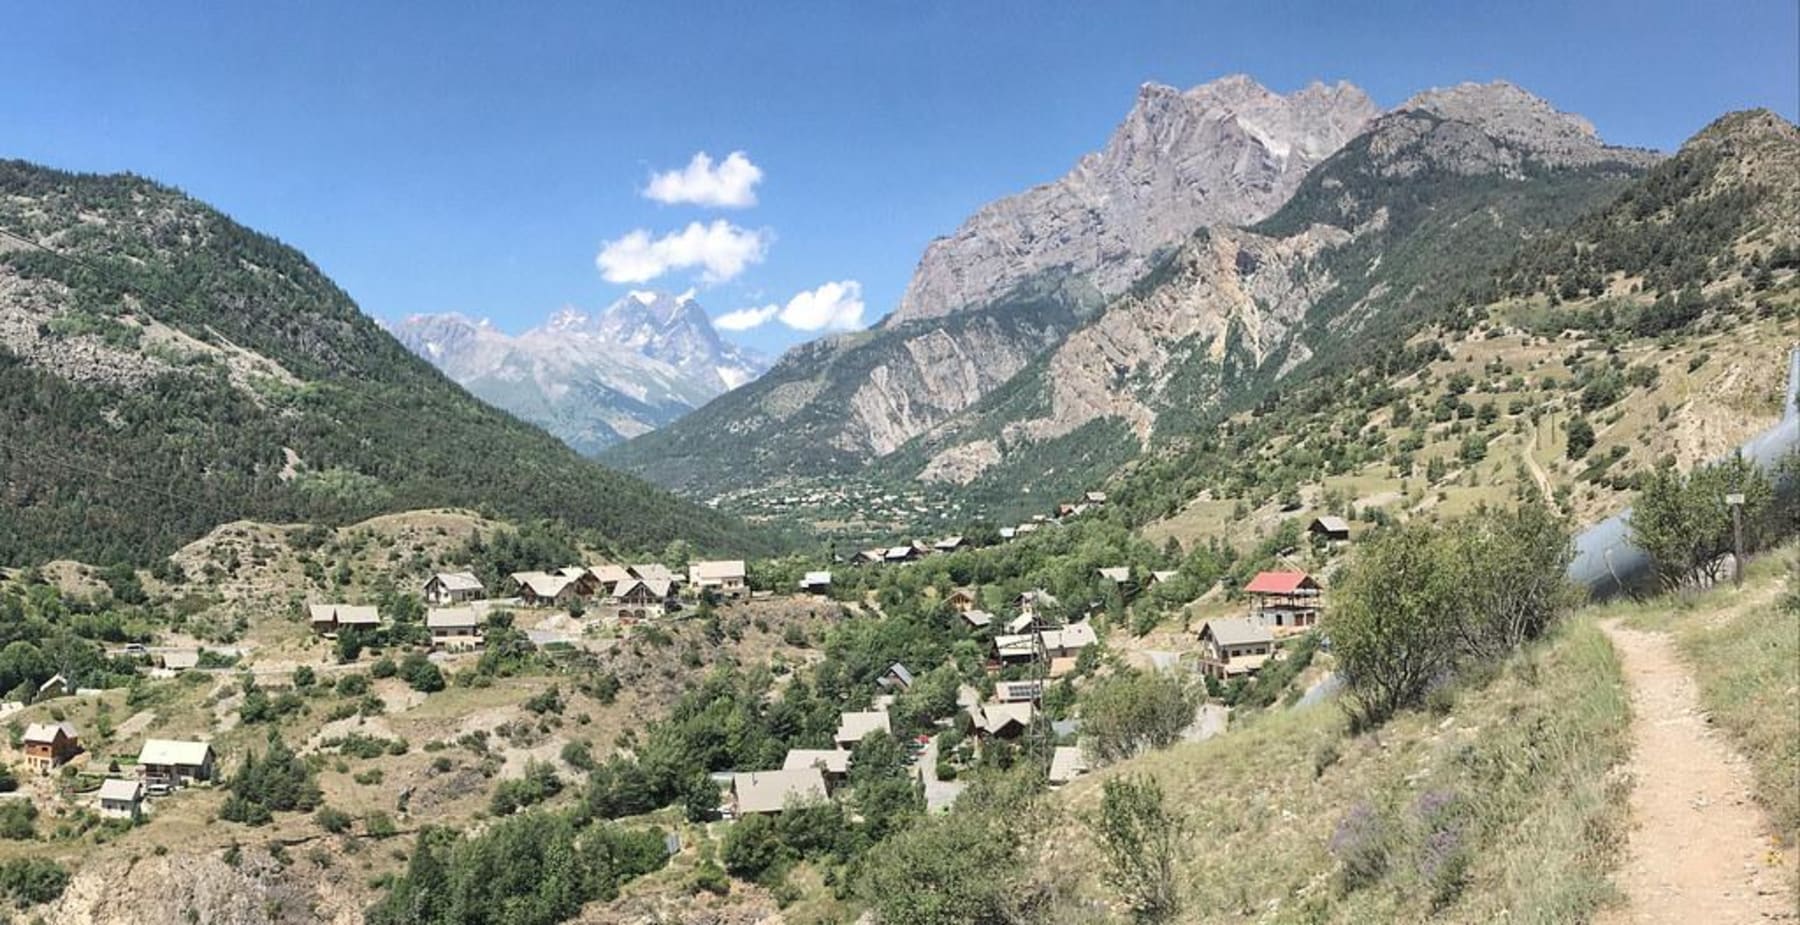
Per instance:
x=1735, y=501
x=1037, y=734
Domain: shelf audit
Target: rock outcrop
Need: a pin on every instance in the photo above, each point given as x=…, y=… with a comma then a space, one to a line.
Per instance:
x=184, y=886
x=1366, y=238
x=1226, y=152
x=1514, y=119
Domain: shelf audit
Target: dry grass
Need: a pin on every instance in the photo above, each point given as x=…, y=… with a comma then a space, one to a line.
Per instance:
x=1693, y=413
x=1529, y=760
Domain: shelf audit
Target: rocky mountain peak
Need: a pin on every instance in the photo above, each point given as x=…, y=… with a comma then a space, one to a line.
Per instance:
x=1748, y=126
x=1226, y=152
x=591, y=378
x=1524, y=122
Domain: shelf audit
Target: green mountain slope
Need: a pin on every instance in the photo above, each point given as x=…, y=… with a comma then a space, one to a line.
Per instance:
x=1655, y=326
x=1403, y=225
x=164, y=369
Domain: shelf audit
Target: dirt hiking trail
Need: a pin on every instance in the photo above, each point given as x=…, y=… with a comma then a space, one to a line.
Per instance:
x=1699, y=849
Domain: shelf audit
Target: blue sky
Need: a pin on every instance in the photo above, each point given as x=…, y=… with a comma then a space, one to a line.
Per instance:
x=477, y=157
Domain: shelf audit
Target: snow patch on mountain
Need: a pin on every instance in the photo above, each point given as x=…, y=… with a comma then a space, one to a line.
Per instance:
x=592, y=380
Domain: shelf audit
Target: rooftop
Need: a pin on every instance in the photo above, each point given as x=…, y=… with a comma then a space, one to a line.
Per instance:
x=174, y=751
x=829, y=760
x=459, y=581
x=770, y=791
x=46, y=732
x=853, y=726
x=116, y=788
x=451, y=617
x=1237, y=631
x=1280, y=583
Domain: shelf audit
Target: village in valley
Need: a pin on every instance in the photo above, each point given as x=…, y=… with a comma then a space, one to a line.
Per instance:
x=625, y=466
x=1017, y=662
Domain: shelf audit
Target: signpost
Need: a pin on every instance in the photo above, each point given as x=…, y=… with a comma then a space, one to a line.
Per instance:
x=1735, y=501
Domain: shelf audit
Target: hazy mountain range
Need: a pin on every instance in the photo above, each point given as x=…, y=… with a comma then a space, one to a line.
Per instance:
x=591, y=380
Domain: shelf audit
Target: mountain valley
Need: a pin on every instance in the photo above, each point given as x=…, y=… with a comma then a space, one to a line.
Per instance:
x=1209, y=534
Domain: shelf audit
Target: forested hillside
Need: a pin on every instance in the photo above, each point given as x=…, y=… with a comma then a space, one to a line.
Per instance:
x=164, y=369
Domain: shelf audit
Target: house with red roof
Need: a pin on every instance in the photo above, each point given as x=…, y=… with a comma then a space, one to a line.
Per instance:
x=1284, y=600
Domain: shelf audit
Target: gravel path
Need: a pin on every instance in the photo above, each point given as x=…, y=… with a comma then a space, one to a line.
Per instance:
x=1700, y=848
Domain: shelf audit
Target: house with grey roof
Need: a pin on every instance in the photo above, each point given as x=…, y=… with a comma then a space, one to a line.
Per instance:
x=770, y=792
x=453, y=588
x=454, y=627
x=897, y=677
x=330, y=619
x=120, y=798
x=1234, y=646
x=727, y=577
x=167, y=764
x=1333, y=528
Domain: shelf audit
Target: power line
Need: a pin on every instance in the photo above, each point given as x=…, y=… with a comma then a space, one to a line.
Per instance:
x=215, y=507
x=84, y=470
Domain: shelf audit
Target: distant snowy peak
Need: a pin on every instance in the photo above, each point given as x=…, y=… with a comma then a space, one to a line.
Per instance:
x=591, y=378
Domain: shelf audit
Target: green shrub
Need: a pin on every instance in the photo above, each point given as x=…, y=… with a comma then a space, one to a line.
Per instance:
x=752, y=847
x=709, y=877
x=380, y=825
x=18, y=820
x=32, y=881
x=420, y=673
x=332, y=819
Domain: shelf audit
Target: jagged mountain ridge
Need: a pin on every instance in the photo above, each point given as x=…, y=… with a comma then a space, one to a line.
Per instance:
x=1230, y=149
x=1387, y=231
x=640, y=363
x=911, y=374
x=1226, y=152
x=164, y=369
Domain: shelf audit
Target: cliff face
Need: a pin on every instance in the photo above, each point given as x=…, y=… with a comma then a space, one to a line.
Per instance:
x=1428, y=199
x=202, y=887
x=1225, y=237
x=833, y=405
x=1227, y=152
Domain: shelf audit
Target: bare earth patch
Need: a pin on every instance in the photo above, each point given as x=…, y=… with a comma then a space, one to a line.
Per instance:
x=1700, y=848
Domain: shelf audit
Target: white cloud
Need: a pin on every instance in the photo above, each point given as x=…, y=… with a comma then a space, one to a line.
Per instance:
x=721, y=249
x=745, y=318
x=836, y=306
x=831, y=307
x=731, y=185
